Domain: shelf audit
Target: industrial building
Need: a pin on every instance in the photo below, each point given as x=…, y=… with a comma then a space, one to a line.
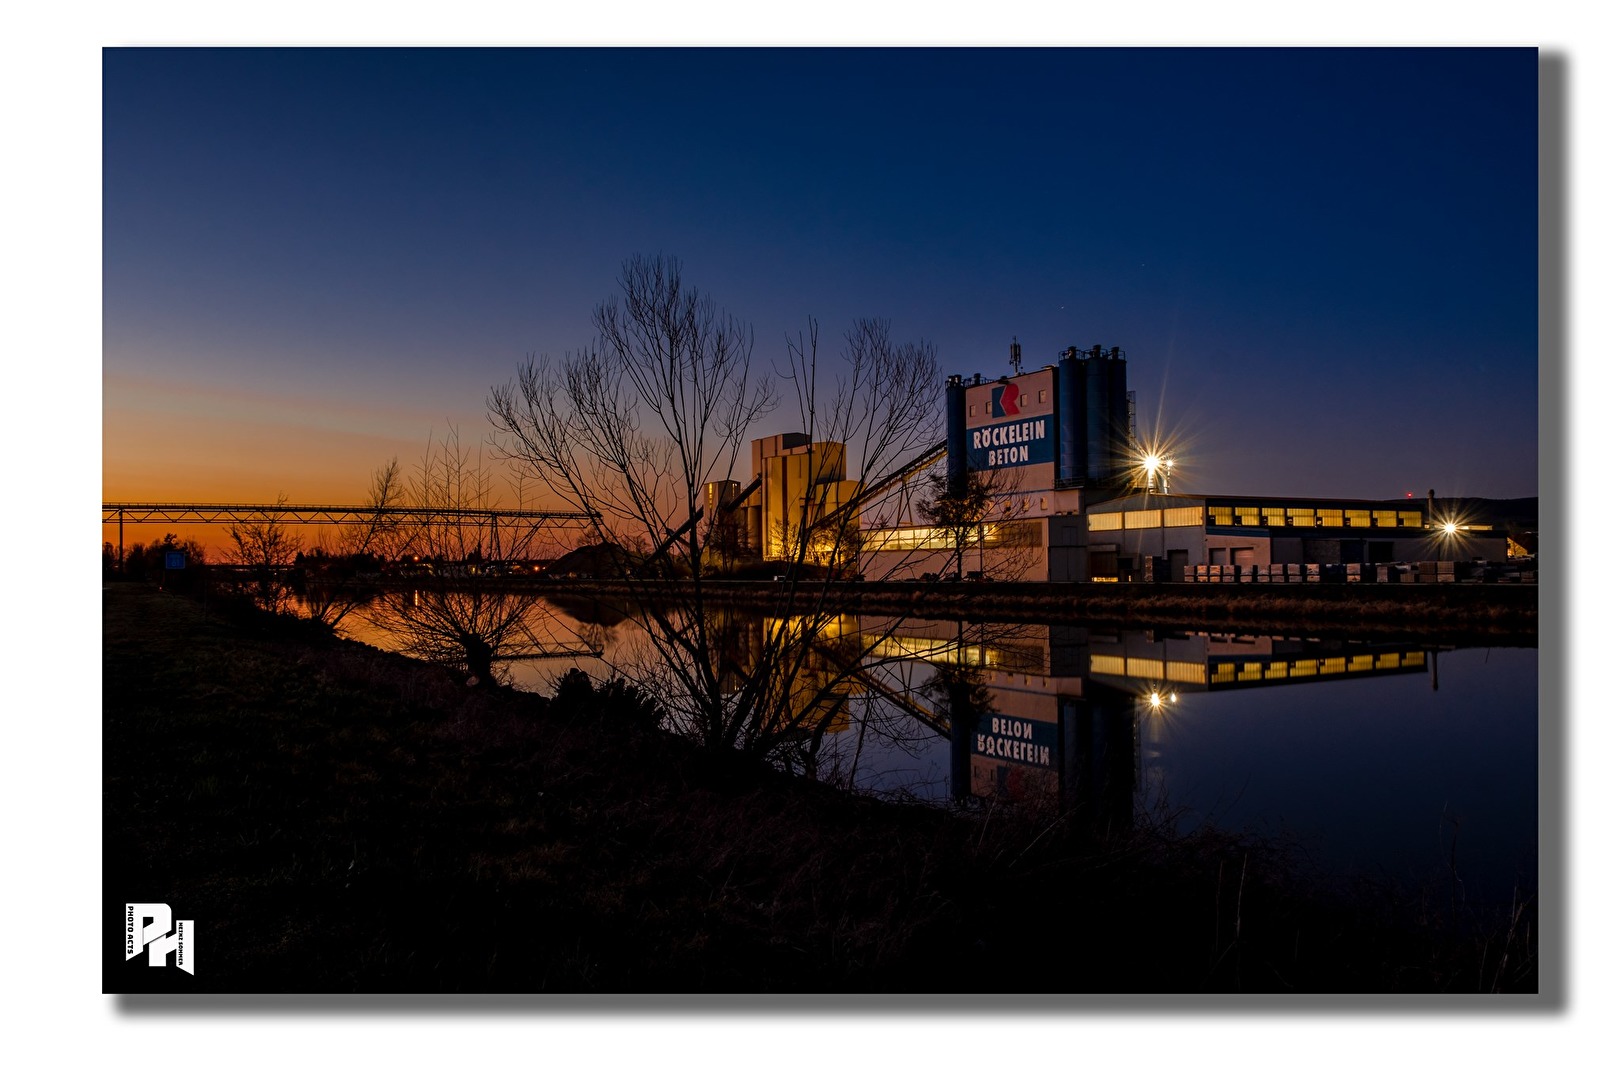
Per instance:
x=1062, y=490
x=1156, y=536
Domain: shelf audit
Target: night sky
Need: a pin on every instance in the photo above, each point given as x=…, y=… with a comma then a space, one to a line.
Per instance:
x=1320, y=263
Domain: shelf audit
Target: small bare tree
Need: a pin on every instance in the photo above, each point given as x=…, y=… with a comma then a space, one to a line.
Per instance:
x=458, y=615
x=381, y=534
x=983, y=517
x=264, y=548
x=333, y=582
x=631, y=429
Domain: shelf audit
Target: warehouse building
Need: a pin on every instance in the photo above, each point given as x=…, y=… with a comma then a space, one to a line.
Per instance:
x=1151, y=535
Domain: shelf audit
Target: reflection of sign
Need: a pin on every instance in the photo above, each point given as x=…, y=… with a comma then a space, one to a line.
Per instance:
x=1008, y=738
x=997, y=780
x=174, y=560
x=1021, y=442
x=1014, y=758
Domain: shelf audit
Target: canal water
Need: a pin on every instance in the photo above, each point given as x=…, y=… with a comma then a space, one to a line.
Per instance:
x=1382, y=761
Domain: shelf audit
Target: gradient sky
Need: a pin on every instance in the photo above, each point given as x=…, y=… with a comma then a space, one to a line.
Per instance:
x=1320, y=263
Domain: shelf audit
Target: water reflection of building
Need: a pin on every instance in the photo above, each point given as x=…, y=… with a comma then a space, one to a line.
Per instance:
x=1023, y=723
x=818, y=688
x=1053, y=714
x=1145, y=661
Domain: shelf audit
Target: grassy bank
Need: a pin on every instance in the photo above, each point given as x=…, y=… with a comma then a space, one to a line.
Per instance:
x=335, y=818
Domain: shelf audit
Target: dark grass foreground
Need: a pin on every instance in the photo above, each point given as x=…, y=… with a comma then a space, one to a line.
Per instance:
x=335, y=818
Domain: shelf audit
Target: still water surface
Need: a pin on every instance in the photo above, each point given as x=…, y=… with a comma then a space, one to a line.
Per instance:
x=1381, y=760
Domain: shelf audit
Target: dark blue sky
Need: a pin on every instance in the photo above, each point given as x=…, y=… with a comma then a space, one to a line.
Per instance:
x=1321, y=263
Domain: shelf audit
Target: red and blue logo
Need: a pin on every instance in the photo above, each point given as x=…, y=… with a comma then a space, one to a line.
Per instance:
x=1007, y=402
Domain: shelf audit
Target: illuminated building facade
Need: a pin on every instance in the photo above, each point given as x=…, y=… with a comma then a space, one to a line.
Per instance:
x=798, y=482
x=1056, y=456
x=1031, y=450
x=1149, y=534
x=1050, y=483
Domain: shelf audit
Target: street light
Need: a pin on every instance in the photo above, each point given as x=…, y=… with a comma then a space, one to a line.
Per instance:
x=1158, y=470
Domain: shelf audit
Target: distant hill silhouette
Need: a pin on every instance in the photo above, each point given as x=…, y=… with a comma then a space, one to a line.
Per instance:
x=593, y=561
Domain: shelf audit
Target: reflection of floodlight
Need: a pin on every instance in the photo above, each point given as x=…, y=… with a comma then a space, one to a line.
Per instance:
x=1158, y=697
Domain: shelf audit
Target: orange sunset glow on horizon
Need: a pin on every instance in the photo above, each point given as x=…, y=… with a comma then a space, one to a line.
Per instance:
x=178, y=442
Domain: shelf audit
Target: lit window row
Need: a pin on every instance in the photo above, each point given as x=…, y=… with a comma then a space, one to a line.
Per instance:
x=1316, y=517
x=936, y=538
x=905, y=539
x=1147, y=519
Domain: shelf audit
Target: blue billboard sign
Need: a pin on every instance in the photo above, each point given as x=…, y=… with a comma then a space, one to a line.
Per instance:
x=1017, y=442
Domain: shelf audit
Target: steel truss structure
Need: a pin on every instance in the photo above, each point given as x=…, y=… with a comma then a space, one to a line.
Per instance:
x=302, y=514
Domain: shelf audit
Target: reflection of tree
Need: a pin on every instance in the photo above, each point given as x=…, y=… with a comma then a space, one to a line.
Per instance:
x=634, y=427
x=472, y=626
x=597, y=638
x=473, y=629
x=329, y=602
x=964, y=695
x=956, y=686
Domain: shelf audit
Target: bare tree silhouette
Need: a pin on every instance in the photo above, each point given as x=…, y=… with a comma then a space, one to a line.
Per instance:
x=458, y=615
x=632, y=428
x=985, y=519
x=264, y=549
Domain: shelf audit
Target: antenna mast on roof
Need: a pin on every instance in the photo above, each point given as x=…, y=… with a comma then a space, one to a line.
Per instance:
x=1016, y=356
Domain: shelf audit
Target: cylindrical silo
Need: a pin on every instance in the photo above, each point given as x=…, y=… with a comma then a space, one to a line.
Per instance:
x=1119, y=416
x=1099, y=444
x=1071, y=416
x=956, y=437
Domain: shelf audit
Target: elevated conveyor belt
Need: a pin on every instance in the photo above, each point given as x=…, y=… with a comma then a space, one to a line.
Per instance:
x=878, y=490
